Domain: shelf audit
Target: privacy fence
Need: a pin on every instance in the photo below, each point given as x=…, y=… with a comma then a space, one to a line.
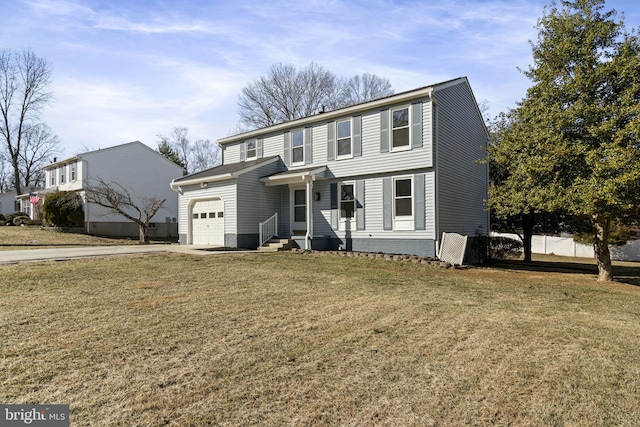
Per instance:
x=565, y=246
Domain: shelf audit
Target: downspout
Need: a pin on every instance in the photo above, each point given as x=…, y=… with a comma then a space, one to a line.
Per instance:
x=309, y=213
x=436, y=166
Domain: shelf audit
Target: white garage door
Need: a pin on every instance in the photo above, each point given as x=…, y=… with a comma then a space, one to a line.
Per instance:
x=208, y=222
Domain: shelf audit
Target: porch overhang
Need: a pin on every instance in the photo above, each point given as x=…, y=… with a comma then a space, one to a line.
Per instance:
x=294, y=176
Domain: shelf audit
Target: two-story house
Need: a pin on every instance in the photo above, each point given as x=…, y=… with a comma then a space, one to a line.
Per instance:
x=390, y=176
x=141, y=170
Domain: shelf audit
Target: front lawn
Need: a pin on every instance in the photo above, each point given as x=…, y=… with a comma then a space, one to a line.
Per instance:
x=33, y=237
x=307, y=339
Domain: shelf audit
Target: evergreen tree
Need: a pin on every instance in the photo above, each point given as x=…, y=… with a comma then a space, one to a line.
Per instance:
x=574, y=140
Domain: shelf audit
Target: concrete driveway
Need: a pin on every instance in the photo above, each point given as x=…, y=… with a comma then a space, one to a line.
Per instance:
x=59, y=254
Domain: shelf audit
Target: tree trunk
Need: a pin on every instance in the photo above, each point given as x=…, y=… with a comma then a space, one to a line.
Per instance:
x=528, y=222
x=144, y=238
x=16, y=176
x=601, y=246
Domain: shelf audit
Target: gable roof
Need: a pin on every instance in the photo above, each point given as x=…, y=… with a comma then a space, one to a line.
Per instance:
x=222, y=172
x=53, y=165
x=425, y=91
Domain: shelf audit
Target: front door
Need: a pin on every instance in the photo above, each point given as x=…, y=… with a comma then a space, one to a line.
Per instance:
x=299, y=211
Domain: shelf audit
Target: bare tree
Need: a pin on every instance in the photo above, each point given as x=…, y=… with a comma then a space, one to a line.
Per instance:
x=363, y=88
x=287, y=93
x=194, y=157
x=24, y=91
x=38, y=146
x=117, y=199
x=204, y=155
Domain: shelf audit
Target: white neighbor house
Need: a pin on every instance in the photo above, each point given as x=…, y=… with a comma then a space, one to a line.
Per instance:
x=390, y=175
x=140, y=169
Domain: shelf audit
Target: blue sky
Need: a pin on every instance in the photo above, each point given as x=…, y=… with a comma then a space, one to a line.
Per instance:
x=127, y=70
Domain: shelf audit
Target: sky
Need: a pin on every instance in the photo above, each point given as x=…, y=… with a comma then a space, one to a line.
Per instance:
x=126, y=70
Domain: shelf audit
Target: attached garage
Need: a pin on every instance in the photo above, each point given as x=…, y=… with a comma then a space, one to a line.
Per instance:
x=207, y=222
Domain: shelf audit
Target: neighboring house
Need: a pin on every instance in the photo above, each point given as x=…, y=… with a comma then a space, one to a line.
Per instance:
x=390, y=175
x=8, y=203
x=140, y=169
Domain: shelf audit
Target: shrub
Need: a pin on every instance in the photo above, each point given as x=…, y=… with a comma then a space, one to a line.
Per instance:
x=504, y=247
x=63, y=209
x=8, y=218
x=34, y=222
x=21, y=219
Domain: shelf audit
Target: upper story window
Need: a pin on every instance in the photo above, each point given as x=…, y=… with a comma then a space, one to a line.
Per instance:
x=297, y=147
x=344, y=147
x=400, y=139
x=62, y=170
x=73, y=172
x=52, y=179
x=252, y=150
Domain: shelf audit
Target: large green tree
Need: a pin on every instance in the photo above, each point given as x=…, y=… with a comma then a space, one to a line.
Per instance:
x=576, y=135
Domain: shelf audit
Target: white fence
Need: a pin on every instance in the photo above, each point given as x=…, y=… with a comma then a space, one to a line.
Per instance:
x=565, y=246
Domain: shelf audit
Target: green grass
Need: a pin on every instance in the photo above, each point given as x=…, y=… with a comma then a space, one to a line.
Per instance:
x=304, y=339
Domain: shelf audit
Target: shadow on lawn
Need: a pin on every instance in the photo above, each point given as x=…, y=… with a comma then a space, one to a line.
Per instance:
x=621, y=273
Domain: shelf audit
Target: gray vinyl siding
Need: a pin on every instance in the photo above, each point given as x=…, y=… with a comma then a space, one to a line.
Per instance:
x=462, y=183
x=255, y=201
x=272, y=145
x=231, y=153
x=226, y=190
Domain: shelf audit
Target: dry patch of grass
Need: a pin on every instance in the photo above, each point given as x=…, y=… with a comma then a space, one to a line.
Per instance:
x=12, y=238
x=289, y=339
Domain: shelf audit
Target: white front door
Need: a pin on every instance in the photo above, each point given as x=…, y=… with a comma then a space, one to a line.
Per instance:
x=207, y=222
x=299, y=211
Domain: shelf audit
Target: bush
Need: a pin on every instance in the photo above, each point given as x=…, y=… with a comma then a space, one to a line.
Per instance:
x=33, y=222
x=21, y=219
x=8, y=218
x=504, y=247
x=63, y=209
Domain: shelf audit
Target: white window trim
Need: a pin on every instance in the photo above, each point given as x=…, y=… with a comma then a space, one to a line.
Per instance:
x=404, y=222
x=409, y=125
x=344, y=156
x=254, y=149
x=302, y=147
x=342, y=222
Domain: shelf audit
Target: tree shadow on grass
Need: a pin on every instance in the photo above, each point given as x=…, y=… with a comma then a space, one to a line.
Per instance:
x=629, y=274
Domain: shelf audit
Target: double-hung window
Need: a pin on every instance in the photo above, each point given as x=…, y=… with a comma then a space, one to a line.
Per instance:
x=400, y=134
x=73, y=172
x=403, y=203
x=347, y=205
x=344, y=147
x=252, y=150
x=297, y=147
x=62, y=169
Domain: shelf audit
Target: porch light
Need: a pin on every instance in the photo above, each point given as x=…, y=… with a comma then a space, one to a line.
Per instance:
x=316, y=196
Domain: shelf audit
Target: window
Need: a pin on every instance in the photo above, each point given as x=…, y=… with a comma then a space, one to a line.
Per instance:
x=203, y=215
x=62, y=168
x=252, y=150
x=402, y=197
x=52, y=172
x=297, y=147
x=73, y=172
x=343, y=140
x=347, y=202
x=220, y=214
x=400, y=129
x=212, y=215
x=195, y=216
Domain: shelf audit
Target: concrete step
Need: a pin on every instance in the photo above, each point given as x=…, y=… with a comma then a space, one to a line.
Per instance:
x=276, y=244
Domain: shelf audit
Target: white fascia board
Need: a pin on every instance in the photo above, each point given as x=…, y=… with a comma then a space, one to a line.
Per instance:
x=175, y=185
x=289, y=178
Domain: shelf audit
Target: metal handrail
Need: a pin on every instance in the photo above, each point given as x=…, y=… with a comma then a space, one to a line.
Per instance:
x=268, y=229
